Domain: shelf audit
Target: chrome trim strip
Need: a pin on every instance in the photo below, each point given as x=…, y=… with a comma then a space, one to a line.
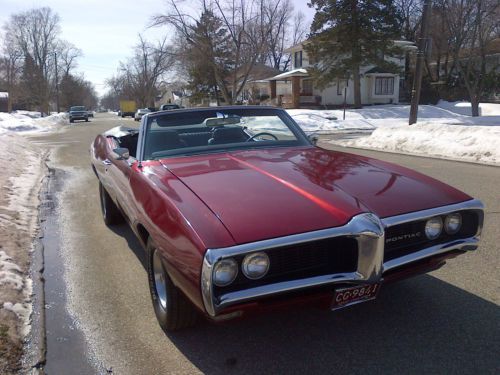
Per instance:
x=366, y=228
x=473, y=204
x=466, y=244
x=369, y=232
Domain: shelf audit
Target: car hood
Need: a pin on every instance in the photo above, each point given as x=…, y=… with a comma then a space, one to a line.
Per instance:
x=260, y=194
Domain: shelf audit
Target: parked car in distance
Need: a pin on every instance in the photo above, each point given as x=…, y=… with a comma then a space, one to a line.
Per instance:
x=168, y=107
x=78, y=113
x=141, y=112
x=239, y=212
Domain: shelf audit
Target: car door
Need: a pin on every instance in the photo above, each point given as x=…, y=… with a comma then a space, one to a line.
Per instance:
x=118, y=173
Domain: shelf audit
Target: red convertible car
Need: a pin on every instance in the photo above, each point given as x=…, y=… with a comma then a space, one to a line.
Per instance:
x=240, y=212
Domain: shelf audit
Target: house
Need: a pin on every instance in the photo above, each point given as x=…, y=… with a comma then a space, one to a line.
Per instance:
x=256, y=89
x=377, y=86
x=171, y=94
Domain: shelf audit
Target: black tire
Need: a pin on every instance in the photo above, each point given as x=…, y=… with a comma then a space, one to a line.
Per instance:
x=110, y=213
x=86, y=120
x=175, y=311
x=71, y=121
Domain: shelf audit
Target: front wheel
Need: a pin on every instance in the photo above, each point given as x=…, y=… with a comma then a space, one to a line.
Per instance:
x=173, y=310
x=110, y=213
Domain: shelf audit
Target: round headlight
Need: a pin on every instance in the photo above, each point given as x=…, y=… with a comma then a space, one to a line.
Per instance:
x=225, y=271
x=452, y=223
x=255, y=265
x=433, y=227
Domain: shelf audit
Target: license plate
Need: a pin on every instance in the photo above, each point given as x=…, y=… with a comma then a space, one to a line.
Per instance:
x=350, y=296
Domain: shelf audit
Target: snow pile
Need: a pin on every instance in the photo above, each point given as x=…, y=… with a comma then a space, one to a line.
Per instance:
x=10, y=273
x=366, y=119
x=28, y=122
x=464, y=108
x=20, y=180
x=23, y=312
x=442, y=131
x=461, y=142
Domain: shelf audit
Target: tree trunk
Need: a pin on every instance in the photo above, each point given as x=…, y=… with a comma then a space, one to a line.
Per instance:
x=357, y=87
x=474, y=101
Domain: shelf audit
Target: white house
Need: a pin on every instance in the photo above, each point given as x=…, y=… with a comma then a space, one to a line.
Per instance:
x=377, y=86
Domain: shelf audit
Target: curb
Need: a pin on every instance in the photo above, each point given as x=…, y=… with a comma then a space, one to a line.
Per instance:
x=36, y=347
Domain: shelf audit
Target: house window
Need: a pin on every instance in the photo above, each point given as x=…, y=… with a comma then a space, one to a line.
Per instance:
x=384, y=85
x=307, y=87
x=297, y=59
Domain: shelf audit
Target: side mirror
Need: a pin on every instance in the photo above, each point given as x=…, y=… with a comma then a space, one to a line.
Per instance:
x=313, y=138
x=121, y=153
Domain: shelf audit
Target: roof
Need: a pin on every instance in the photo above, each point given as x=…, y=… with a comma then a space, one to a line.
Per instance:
x=4, y=94
x=262, y=72
x=404, y=44
x=292, y=73
x=377, y=70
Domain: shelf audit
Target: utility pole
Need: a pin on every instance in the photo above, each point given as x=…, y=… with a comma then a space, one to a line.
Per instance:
x=57, y=83
x=422, y=45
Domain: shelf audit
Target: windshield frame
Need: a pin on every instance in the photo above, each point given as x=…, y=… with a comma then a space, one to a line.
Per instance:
x=244, y=111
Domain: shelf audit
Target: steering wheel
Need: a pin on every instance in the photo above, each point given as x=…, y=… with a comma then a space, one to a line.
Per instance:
x=259, y=134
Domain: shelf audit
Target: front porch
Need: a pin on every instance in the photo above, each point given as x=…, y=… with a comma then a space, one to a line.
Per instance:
x=301, y=95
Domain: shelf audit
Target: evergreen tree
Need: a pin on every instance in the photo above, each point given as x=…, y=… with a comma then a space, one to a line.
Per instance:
x=348, y=34
x=208, y=60
x=33, y=86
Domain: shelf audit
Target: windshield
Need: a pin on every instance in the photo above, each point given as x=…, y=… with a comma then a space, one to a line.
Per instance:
x=77, y=108
x=207, y=131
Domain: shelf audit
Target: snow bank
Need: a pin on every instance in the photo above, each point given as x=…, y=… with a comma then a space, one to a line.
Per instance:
x=441, y=131
x=29, y=122
x=366, y=119
x=10, y=273
x=465, y=108
x=469, y=143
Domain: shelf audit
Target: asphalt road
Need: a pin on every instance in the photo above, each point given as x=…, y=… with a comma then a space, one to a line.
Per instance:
x=445, y=322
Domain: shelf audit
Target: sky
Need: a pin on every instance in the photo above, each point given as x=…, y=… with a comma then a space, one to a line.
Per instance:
x=106, y=30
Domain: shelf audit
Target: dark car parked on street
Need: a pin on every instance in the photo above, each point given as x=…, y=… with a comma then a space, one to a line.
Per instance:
x=78, y=113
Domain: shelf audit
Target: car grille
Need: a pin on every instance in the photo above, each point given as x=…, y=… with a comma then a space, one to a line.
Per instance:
x=407, y=238
x=322, y=257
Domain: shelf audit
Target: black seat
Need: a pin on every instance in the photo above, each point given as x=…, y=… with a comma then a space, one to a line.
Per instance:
x=228, y=135
x=161, y=141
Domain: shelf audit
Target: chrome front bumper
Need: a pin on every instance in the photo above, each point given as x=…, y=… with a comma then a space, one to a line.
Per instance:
x=366, y=228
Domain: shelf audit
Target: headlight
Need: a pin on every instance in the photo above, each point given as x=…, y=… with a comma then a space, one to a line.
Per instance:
x=225, y=271
x=452, y=223
x=433, y=227
x=255, y=265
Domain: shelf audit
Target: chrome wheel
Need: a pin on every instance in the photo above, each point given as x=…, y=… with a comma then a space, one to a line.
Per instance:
x=160, y=282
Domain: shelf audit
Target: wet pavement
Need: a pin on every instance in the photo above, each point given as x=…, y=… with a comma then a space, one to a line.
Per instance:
x=67, y=351
x=101, y=319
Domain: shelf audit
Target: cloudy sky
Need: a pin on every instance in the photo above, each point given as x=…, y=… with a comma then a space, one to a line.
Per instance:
x=106, y=30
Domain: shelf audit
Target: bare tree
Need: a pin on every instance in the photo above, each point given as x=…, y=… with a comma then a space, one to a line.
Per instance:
x=67, y=55
x=139, y=76
x=239, y=33
x=470, y=28
x=483, y=28
x=34, y=33
x=287, y=29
